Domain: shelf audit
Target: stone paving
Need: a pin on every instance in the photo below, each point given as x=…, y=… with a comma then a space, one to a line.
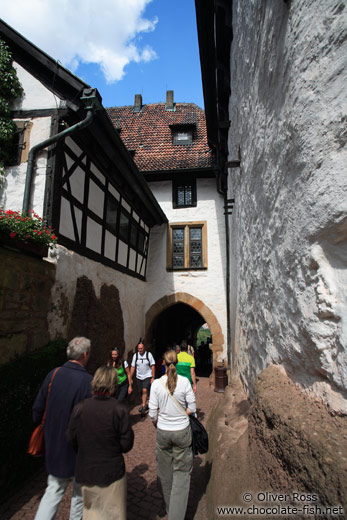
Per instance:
x=144, y=500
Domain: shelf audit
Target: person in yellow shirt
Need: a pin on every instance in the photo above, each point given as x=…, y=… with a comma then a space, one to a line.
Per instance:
x=186, y=365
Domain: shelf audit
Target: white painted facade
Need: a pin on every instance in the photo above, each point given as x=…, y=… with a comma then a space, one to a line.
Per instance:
x=207, y=285
x=69, y=267
x=36, y=96
x=288, y=116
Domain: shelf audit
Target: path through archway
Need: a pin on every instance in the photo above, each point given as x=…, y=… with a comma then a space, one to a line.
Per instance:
x=176, y=316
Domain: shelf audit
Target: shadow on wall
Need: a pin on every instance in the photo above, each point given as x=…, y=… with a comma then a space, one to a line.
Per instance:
x=99, y=319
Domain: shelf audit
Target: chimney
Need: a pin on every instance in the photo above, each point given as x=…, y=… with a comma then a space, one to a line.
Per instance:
x=137, y=103
x=169, y=105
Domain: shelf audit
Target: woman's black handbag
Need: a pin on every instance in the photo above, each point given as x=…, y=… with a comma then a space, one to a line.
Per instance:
x=199, y=436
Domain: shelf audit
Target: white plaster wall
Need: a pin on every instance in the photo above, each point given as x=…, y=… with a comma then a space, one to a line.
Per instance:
x=36, y=96
x=289, y=226
x=69, y=267
x=207, y=285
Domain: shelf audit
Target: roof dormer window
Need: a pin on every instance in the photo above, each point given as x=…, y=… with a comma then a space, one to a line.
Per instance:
x=182, y=135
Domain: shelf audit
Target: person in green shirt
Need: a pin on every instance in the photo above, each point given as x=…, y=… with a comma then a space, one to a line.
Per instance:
x=186, y=365
x=123, y=374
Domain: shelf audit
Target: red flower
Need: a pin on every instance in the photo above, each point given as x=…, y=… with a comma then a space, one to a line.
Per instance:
x=13, y=234
x=53, y=237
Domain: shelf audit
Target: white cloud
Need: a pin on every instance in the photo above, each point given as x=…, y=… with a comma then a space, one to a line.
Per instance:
x=106, y=32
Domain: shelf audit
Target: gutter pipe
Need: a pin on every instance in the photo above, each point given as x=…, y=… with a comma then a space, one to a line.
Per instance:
x=228, y=206
x=92, y=104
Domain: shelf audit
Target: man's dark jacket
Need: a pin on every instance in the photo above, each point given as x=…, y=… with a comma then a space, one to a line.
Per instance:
x=100, y=431
x=71, y=384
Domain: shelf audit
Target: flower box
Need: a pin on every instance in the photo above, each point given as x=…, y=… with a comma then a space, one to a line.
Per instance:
x=26, y=232
x=31, y=248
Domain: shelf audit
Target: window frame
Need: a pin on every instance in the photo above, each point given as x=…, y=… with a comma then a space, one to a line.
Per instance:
x=187, y=226
x=185, y=181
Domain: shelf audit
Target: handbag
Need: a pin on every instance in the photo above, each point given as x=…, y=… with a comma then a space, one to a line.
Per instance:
x=36, y=446
x=199, y=434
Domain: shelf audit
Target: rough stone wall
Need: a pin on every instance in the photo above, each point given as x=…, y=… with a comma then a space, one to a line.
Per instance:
x=25, y=300
x=295, y=443
x=283, y=443
x=289, y=225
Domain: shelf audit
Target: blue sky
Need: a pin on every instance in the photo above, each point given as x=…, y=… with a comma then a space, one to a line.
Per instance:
x=121, y=47
x=177, y=66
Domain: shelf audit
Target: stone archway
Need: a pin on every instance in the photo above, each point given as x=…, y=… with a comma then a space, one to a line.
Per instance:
x=167, y=301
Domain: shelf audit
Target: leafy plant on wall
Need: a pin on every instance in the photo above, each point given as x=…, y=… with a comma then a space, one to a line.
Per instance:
x=10, y=89
x=27, y=228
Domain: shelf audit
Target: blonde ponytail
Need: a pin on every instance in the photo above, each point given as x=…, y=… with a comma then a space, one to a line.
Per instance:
x=170, y=359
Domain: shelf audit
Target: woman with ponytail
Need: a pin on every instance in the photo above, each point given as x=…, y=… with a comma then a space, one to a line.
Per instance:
x=171, y=401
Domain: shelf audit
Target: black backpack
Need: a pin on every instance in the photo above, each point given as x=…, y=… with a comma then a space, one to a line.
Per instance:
x=137, y=356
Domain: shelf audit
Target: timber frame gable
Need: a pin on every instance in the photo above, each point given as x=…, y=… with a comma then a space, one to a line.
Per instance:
x=94, y=195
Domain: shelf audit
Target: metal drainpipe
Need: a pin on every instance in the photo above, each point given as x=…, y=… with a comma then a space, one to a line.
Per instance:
x=92, y=104
x=224, y=192
x=227, y=244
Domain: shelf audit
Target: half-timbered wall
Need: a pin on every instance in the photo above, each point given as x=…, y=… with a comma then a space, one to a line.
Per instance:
x=94, y=217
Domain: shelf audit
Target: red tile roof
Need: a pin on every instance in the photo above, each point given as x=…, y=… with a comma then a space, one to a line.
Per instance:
x=149, y=133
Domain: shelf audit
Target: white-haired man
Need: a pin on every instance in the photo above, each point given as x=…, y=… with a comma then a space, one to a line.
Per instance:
x=71, y=384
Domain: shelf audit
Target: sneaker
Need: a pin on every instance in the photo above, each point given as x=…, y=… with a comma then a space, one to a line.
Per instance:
x=141, y=409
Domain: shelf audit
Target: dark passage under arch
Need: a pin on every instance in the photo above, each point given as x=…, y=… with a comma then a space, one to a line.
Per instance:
x=174, y=324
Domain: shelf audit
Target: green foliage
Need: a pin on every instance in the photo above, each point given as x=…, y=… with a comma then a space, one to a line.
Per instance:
x=202, y=335
x=10, y=89
x=20, y=381
x=27, y=228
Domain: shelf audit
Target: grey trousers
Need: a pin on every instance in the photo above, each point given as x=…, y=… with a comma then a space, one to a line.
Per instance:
x=174, y=466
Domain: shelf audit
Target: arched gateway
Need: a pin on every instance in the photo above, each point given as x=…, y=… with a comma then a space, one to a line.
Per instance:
x=166, y=302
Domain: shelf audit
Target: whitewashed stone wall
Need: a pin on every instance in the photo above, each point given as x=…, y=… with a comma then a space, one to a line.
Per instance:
x=69, y=267
x=207, y=285
x=289, y=226
x=36, y=96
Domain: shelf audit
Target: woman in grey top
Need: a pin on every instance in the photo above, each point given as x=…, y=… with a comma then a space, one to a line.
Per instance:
x=174, y=438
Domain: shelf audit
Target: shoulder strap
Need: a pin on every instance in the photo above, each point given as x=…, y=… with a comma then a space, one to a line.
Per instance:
x=48, y=391
x=178, y=405
x=147, y=356
x=137, y=356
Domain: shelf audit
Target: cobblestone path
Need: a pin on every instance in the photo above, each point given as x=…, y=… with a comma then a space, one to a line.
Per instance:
x=144, y=500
